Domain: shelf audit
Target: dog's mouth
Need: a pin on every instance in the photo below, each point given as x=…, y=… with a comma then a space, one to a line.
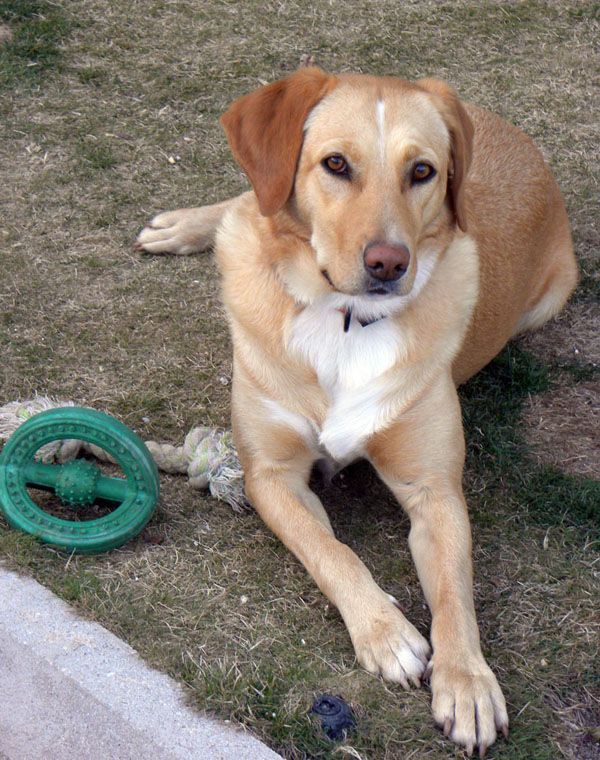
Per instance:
x=382, y=289
x=325, y=274
x=376, y=302
x=373, y=288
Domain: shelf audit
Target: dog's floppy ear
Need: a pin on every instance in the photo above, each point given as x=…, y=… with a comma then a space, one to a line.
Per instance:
x=461, y=143
x=265, y=132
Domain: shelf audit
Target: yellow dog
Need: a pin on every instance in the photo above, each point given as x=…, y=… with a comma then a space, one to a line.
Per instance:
x=395, y=240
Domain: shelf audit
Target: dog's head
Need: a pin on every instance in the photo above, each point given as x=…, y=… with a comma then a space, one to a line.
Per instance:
x=373, y=169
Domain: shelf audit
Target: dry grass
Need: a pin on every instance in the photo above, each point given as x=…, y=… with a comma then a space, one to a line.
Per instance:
x=123, y=122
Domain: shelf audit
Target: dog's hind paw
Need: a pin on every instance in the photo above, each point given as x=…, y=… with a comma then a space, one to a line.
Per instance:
x=181, y=232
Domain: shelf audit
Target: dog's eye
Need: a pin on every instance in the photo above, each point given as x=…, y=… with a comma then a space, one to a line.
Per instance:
x=422, y=172
x=337, y=165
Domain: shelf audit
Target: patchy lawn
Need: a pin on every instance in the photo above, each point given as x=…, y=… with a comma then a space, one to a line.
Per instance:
x=109, y=113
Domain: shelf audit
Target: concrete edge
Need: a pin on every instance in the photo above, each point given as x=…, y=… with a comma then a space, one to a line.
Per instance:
x=93, y=664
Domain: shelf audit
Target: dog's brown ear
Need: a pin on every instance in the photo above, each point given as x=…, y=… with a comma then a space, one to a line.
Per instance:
x=461, y=143
x=265, y=132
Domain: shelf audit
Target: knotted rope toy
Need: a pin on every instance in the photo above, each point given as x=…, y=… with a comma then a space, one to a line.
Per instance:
x=44, y=452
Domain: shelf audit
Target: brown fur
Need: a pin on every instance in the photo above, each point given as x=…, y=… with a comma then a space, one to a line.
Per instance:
x=490, y=255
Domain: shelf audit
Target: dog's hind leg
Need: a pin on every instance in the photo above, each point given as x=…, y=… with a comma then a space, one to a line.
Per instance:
x=558, y=276
x=184, y=231
x=559, y=283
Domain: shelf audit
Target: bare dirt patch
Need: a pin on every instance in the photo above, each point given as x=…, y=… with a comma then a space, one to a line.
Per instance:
x=574, y=336
x=563, y=425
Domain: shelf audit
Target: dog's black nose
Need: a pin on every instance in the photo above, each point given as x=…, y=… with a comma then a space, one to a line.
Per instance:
x=386, y=261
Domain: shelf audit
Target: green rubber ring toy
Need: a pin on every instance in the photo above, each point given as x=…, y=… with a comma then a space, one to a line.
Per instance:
x=80, y=482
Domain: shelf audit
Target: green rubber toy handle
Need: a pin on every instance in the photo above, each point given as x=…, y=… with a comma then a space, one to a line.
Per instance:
x=78, y=483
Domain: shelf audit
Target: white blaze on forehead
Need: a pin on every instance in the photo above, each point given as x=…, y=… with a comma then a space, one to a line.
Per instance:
x=380, y=109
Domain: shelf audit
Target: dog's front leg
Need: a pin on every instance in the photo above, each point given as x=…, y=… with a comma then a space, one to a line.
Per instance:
x=467, y=700
x=276, y=483
x=421, y=459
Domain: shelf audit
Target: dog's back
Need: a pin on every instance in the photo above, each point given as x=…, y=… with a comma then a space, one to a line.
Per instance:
x=517, y=215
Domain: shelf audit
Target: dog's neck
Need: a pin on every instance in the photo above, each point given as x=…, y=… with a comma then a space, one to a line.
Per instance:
x=347, y=312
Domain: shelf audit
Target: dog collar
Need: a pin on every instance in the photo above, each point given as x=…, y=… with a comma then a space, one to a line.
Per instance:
x=362, y=322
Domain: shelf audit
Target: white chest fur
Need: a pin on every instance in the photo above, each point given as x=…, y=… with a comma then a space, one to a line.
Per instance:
x=350, y=367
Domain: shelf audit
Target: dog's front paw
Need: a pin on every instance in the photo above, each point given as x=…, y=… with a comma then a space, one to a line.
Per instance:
x=185, y=231
x=387, y=645
x=467, y=701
